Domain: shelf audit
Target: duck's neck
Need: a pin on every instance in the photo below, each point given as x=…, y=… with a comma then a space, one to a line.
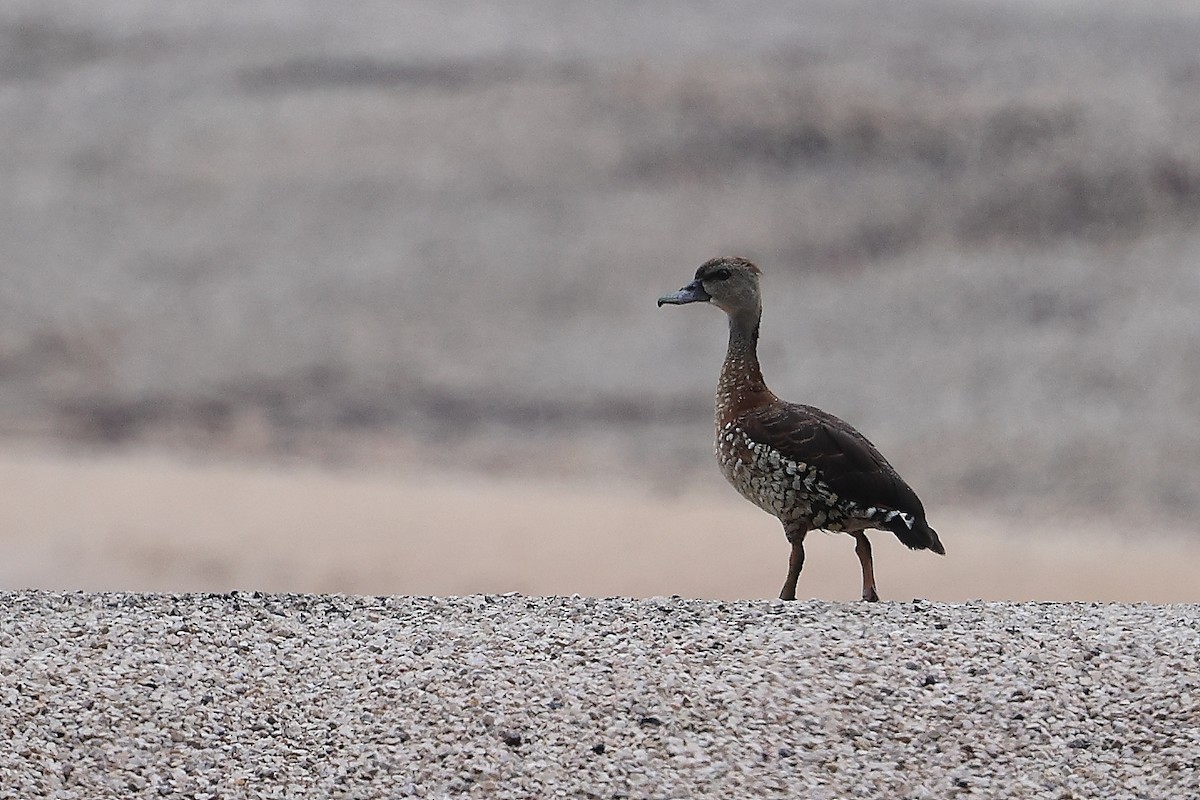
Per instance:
x=741, y=384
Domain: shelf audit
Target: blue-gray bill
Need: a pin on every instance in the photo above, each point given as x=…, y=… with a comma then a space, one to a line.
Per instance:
x=692, y=293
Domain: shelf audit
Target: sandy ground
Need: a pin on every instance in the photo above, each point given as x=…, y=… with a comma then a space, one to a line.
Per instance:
x=152, y=522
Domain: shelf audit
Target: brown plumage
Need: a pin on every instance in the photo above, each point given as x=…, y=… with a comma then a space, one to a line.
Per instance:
x=799, y=463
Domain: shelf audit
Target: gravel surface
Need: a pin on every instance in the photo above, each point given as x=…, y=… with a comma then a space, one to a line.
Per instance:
x=509, y=696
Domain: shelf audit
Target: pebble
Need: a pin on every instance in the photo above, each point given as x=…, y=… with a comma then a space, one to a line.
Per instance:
x=246, y=694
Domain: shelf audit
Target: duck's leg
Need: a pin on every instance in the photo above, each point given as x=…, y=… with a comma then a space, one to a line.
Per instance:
x=863, y=549
x=795, y=562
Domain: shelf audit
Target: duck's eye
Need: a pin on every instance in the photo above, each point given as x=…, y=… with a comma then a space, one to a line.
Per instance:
x=718, y=275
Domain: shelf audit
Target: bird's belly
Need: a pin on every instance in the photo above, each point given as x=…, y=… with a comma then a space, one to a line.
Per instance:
x=790, y=490
x=767, y=491
x=762, y=476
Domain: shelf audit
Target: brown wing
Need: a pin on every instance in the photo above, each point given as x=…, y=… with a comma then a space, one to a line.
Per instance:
x=846, y=460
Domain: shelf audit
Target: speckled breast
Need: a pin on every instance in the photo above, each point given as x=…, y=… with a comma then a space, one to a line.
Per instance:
x=788, y=489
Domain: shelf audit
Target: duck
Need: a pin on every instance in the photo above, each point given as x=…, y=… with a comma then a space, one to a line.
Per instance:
x=804, y=466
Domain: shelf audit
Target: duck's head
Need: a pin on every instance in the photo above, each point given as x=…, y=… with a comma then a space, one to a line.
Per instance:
x=728, y=282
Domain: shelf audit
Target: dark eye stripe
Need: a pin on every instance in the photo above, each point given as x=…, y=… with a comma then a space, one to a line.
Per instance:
x=718, y=275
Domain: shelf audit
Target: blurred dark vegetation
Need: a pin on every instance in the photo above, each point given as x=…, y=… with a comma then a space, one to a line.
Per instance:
x=436, y=234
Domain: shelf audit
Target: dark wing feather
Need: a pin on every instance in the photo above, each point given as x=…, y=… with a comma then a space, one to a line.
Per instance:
x=846, y=461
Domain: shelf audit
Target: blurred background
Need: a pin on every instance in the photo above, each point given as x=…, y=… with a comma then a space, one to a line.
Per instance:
x=360, y=297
